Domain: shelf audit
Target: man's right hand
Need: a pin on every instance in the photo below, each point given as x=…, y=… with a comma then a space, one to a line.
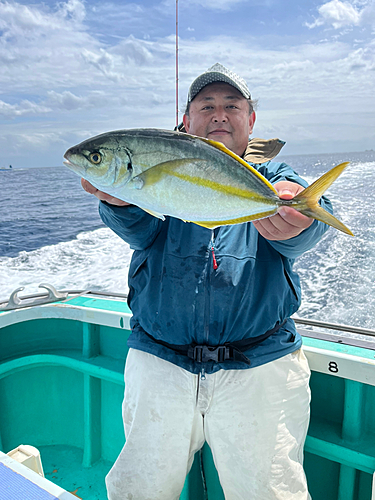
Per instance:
x=102, y=196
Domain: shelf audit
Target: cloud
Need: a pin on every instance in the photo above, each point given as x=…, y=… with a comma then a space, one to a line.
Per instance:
x=41, y=46
x=67, y=101
x=11, y=111
x=74, y=10
x=60, y=101
x=31, y=145
x=324, y=88
x=343, y=14
x=218, y=5
x=22, y=20
x=135, y=51
x=63, y=80
x=368, y=14
x=103, y=61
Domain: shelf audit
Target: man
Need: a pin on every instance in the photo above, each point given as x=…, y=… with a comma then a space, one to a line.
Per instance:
x=214, y=355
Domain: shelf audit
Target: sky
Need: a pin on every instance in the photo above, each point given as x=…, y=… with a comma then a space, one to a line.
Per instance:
x=74, y=69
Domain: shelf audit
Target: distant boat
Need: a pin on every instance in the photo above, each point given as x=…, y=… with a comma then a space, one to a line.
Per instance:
x=6, y=168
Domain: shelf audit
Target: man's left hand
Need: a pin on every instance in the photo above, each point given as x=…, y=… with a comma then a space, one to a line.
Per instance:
x=287, y=223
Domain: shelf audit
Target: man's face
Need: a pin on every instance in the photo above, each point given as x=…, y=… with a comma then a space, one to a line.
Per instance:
x=221, y=113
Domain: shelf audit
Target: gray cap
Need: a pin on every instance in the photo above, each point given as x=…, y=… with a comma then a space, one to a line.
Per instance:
x=218, y=73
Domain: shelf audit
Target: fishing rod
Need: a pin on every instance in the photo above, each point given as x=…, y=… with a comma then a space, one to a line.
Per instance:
x=177, y=63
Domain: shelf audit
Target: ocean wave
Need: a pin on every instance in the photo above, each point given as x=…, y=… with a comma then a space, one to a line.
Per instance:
x=94, y=260
x=337, y=276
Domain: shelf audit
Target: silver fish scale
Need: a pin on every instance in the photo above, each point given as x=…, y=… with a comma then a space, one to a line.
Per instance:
x=172, y=173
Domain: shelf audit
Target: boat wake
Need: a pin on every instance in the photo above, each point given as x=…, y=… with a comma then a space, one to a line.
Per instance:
x=95, y=260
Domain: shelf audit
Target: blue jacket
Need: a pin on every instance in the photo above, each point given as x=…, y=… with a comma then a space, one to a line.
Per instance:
x=177, y=296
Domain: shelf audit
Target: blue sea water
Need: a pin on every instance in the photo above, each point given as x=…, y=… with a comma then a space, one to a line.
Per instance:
x=50, y=231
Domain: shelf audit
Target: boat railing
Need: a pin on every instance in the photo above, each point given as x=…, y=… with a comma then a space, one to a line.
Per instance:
x=333, y=326
x=52, y=295
x=338, y=334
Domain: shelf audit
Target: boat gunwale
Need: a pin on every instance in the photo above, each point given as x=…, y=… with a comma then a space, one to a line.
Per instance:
x=72, y=293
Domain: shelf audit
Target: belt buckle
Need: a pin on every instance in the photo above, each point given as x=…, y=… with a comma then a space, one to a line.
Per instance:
x=203, y=353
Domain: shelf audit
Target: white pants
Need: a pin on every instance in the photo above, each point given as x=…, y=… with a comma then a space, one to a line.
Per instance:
x=255, y=422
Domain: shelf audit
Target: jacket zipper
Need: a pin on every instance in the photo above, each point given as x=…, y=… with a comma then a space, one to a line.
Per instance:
x=208, y=289
x=211, y=248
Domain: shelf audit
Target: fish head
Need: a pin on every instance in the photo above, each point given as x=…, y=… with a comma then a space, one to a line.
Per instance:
x=102, y=161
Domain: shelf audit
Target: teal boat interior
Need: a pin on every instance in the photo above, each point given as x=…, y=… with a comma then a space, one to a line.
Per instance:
x=61, y=389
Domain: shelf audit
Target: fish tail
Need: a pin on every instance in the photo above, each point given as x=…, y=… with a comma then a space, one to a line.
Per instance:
x=308, y=199
x=321, y=214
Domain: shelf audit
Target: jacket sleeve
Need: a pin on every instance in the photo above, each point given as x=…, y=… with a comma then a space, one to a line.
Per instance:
x=294, y=247
x=132, y=224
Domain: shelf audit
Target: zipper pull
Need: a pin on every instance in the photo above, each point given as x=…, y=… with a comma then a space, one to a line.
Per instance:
x=214, y=258
x=214, y=262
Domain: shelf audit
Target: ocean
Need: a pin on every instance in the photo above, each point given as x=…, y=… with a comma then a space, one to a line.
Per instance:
x=50, y=232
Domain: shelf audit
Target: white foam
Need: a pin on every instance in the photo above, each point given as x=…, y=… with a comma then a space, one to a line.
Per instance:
x=337, y=276
x=95, y=260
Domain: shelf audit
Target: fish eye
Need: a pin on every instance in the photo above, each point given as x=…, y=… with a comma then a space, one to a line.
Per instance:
x=95, y=158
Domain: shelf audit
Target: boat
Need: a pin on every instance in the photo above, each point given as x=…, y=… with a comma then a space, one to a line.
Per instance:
x=62, y=356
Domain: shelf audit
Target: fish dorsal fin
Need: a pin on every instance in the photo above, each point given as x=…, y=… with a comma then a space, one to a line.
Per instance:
x=224, y=149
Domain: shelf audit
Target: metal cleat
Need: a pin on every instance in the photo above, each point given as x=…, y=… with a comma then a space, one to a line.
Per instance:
x=16, y=302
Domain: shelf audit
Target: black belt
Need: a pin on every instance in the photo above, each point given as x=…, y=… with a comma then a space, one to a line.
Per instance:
x=230, y=351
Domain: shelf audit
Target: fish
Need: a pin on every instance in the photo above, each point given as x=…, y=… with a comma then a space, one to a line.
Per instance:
x=191, y=178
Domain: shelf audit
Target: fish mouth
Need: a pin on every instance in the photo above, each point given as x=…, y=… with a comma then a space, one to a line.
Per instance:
x=73, y=166
x=76, y=168
x=69, y=157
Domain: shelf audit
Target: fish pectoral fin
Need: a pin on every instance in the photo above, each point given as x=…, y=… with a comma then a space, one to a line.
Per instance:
x=154, y=214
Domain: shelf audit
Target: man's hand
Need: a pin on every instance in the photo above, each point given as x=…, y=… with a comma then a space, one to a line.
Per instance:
x=287, y=223
x=102, y=196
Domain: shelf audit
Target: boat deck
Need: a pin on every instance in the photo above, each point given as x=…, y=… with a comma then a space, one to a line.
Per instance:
x=61, y=383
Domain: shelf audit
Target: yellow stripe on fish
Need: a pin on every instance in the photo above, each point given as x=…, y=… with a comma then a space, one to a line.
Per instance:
x=155, y=174
x=191, y=178
x=241, y=220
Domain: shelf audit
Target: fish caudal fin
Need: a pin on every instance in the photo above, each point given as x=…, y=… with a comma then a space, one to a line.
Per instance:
x=308, y=199
x=319, y=213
